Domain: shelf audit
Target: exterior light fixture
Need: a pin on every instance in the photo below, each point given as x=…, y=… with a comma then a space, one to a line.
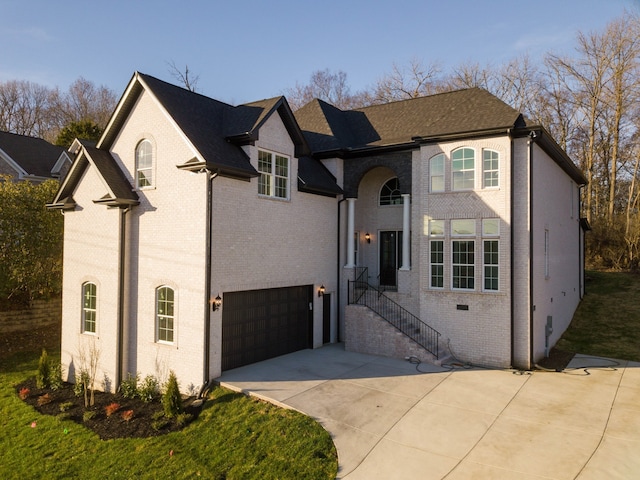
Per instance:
x=217, y=303
x=321, y=291
x=367, y=237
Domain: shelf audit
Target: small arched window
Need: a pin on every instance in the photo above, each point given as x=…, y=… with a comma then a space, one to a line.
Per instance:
x=144, y=164
x=165, y=317
x=390, y=193
x=89, y=307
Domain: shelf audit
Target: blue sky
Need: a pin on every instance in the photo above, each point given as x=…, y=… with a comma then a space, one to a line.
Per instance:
x=254, y=49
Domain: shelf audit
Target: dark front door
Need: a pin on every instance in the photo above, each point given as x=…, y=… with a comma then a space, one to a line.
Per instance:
x=262, y=324
x=390, y=256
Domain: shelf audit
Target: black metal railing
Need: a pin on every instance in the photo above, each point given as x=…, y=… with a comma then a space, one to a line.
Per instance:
x=362, y=293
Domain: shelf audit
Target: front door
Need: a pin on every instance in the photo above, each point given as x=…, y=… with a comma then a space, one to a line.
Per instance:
x=390, y=256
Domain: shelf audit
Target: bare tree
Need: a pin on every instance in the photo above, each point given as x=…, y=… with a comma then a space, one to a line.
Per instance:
x=185, y=77
x=325, y=85
x=417, y=79
x=25, y=108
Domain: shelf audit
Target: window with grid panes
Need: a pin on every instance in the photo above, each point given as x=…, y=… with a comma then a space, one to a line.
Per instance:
x=274, y=174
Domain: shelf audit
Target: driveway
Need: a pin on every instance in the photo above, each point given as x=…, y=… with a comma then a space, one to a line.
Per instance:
x=393, y=419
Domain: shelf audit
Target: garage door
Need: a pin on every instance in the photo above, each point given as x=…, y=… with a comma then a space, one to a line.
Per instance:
x=262, y=324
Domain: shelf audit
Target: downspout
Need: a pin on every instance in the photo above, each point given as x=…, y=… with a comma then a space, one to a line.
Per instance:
x=582, y=235
x=207, y=288
x=532, y=136
x=338, y=271
x=512, y=246
x=121, y=293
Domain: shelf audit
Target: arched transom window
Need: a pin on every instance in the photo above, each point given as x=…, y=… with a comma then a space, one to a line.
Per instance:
x=390, y=193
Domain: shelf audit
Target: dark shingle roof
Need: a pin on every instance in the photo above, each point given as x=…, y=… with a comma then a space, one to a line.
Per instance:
x=34, y=155
x=396, y=123
x=202, y=119
x=120, y=192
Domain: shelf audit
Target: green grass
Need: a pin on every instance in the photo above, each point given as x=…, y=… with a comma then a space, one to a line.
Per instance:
x=234, y=437
x=607, y=322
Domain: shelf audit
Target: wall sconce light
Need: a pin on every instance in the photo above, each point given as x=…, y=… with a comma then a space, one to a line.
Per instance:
x=367, y=237
x=321, y=291
x=217, y=303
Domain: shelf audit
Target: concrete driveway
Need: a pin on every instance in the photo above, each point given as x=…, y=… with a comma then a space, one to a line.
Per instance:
x=392, y=419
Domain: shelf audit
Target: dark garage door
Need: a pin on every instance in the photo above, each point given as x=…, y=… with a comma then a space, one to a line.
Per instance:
x=261, y=324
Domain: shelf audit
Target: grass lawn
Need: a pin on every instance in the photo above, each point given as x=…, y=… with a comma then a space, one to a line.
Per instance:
x=234, y=437
x=607, y=322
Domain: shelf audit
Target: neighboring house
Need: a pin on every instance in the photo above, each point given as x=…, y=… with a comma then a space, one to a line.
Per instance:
x=31, y=158
x=201, y=236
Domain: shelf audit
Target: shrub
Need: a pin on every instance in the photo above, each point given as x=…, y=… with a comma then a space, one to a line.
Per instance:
x=111, y=408
x=157, y=415
x=183, y=419
x=82, y=379
x=129, y=387
x=127, y=415
x=24, y=393
x=172, y=400
x=43, y=375
x=149, y=390
x=44, y=399
x=159, y=424
x=88, y=415
x=55, y=379
x=65, y=406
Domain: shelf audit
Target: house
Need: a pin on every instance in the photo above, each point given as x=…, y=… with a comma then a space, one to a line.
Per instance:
x=30, y=158
x=201, y=236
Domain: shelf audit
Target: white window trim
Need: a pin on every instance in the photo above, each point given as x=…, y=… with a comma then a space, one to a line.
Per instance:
x=398, y=203
x=490, y=239
x=84, y=310
x=157, y=317
x=443, y=175
x=431, y=264
x=272, y=175
x=490, y=187
x=464, y=239
x=152, y=169
x=453, y=172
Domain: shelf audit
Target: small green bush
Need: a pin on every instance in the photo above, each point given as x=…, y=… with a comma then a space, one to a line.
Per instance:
x=159, y=424
x=88, y=415
x=149, y=390
x=65, y=406
x=82, y=379
x=129, y=386
x=172, y=400
x=183, y=419
x=55, y=380
x=43, y=375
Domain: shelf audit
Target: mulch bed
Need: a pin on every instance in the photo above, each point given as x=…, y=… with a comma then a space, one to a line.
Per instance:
x=557, y=360
x=144, y=422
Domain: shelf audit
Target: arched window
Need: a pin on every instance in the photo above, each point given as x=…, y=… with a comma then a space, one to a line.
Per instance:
x=89, y=307
x=436, y=173
x=165, y=318
x=390, y=193
x=463, y=169
x=144, y=164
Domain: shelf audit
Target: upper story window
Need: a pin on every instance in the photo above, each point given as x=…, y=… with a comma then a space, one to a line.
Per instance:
x=89, y=307
x=463, y=169
x=274, y=174
x=436, y=173
x=490, y=168
x=144, y=164
x=165, y=314
x=390, y=193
